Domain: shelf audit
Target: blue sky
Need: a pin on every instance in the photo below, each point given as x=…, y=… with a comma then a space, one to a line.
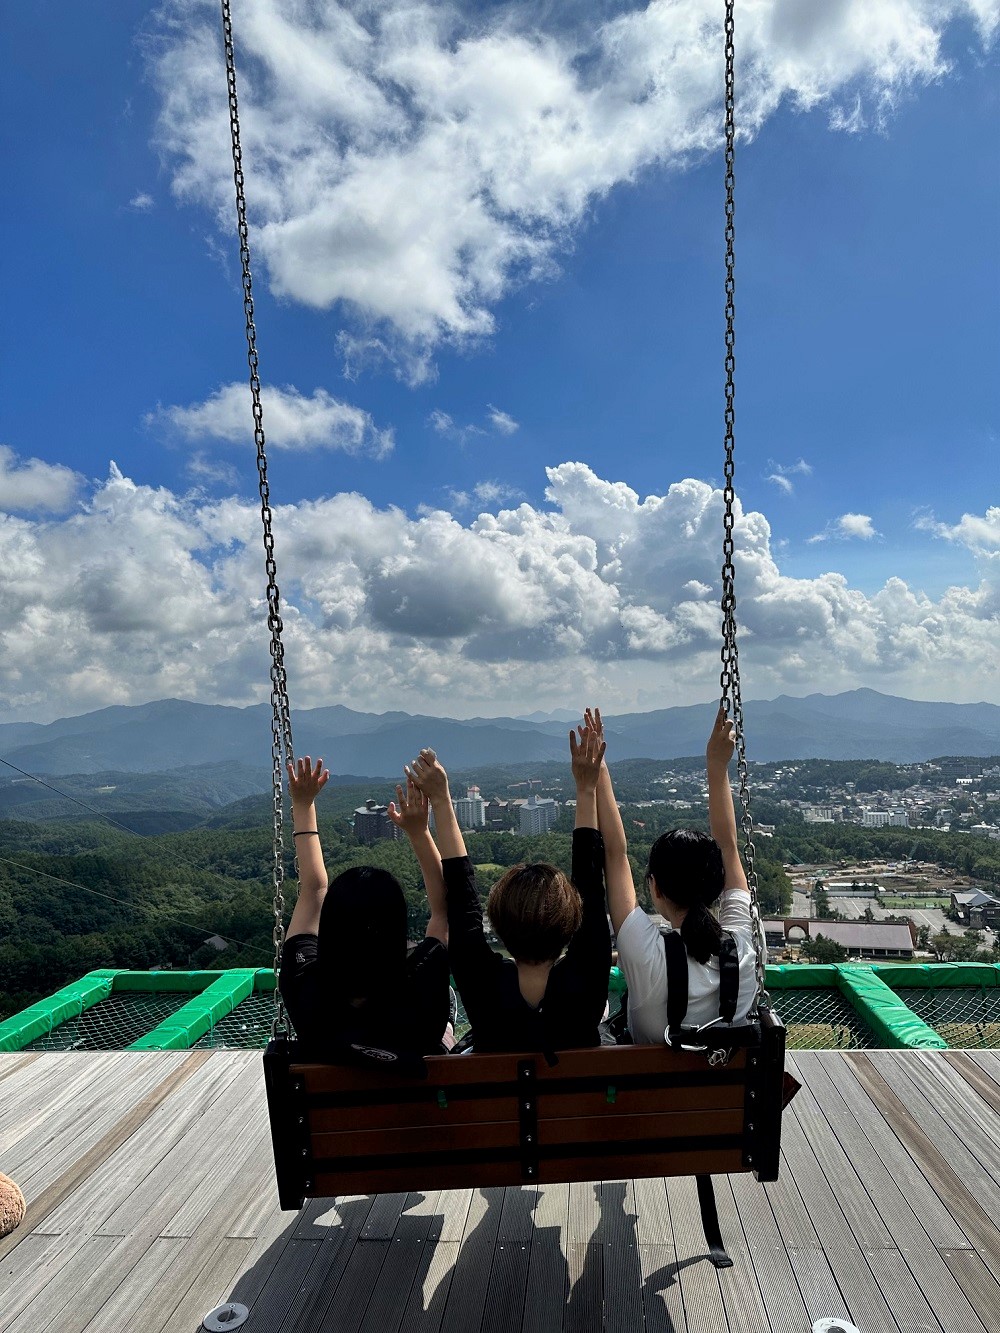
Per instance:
x=488, y=263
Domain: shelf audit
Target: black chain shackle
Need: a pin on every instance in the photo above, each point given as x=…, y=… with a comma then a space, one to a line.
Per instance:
x=729, y=679
x=281, y=718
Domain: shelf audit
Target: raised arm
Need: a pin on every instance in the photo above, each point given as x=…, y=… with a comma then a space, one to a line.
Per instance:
x=305, y=782
x=721, y=815
x=617, y=869
x=586, y=757
x=411, y=816
x=428, y=775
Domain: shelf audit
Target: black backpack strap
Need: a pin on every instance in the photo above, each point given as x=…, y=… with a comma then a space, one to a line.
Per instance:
x=677, y=984
x=729, y=977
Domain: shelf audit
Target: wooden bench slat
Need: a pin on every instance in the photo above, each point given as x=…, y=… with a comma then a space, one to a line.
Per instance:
x=633, y=1166
x=505, y=1133
x=429, y=1114
x=449, y=1071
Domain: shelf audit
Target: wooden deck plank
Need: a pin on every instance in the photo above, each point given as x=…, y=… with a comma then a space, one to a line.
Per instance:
x=956, y=1102
x=70, y=1280
x=25, y=1271
x=699, y=1278
x=935, y=1299
x=862, y=1224
x=623, y=1256
x=934, y=1162
x=463, y=1312
x=741, y=1291
x=981, y=1288
x=662, y=1303
x=862, y=1144
x=402, y=1262
x=505, y=1294
x=547, y=1287
x=622, y=1268
x=779, y=1291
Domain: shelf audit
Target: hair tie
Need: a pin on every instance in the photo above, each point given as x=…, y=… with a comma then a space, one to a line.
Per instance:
x=306, y=833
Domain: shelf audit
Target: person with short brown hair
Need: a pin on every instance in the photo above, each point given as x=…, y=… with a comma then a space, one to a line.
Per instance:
x=552, y=992
x=535, y=910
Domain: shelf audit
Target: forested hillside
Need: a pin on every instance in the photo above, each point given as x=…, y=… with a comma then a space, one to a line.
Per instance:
x=81, y=895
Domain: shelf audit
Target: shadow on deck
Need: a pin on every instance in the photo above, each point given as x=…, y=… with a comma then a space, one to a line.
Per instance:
x=151, y=1200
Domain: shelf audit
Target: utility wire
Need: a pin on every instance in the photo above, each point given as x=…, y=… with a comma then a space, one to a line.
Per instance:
x=66, y=797
x=173, y=920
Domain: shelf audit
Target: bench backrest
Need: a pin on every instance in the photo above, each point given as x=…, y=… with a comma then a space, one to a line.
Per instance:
x=477, y=1120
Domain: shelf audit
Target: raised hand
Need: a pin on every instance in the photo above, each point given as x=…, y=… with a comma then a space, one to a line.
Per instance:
x=722, y=741
x=586, y=756
x=411, y=813
x=306, y=780
x=592, y=723
x=428, y=775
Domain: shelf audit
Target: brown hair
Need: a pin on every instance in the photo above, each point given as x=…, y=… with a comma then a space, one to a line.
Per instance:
x=535, y=910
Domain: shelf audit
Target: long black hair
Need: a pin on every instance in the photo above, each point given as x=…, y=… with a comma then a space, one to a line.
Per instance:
x=688, y=868
x=362, y=941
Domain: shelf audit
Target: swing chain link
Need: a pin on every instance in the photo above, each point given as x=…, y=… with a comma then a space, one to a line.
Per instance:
x=729, y=679
x=281, y=721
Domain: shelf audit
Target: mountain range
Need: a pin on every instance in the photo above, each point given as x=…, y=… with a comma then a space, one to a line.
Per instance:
x=173, y=734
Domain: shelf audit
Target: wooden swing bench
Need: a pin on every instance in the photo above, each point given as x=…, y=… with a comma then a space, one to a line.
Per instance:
x=514, y=1119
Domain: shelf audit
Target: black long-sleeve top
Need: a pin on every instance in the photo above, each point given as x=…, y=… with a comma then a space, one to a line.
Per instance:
x=577, y=989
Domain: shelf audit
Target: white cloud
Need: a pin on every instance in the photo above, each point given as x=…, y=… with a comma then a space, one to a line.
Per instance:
x=142, y=202
x=846, y=528
x=980, y=534
x=412, y=163
x=30, y=485
x=502, y=422
x=783, y=473
x=291, y=421
x=141, y=593
x=484, y=493
x=445, y=424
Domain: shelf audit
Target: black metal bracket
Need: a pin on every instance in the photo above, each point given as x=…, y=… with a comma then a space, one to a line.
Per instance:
x=527, y=1113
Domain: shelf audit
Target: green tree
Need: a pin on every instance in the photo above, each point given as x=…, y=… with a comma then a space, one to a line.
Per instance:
x=820, y=949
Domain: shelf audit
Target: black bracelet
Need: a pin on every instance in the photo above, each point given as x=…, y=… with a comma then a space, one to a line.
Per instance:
x=306, y=833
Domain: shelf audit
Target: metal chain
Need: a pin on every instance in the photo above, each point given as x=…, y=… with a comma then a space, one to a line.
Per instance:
x=281, y=720
x=729, y=679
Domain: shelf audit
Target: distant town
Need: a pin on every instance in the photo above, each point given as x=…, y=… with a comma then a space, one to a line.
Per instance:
x=889, y=908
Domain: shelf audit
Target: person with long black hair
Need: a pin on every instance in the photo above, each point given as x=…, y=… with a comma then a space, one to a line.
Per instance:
x=347, y=979
x=687, y=873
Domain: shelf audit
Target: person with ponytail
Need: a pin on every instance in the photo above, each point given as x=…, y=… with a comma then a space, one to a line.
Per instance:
x=688, y=871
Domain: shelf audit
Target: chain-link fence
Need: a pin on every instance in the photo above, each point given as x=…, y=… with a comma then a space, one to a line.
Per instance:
x=112, y=1024
x=821, y=1020
x=963, y=1016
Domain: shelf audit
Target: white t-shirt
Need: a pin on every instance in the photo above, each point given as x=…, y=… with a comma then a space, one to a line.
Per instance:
x=642, y=958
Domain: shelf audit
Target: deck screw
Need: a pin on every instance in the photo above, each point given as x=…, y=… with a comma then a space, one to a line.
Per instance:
x=305, y=1152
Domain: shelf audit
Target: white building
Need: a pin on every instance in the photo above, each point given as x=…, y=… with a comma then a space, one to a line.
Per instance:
x=470, y=809
x=818, y=814
x=897, y=818
x=537, y=815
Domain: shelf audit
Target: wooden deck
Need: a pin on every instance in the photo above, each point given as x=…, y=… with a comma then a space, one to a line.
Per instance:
x=151, y=1201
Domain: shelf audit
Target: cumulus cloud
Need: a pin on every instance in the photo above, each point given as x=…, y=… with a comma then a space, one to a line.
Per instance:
x=29, y=485
x=140, y=593
x=411, y=163
x=142, y=202
x=978, y=533
x=846, y=528
x=291, y=421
